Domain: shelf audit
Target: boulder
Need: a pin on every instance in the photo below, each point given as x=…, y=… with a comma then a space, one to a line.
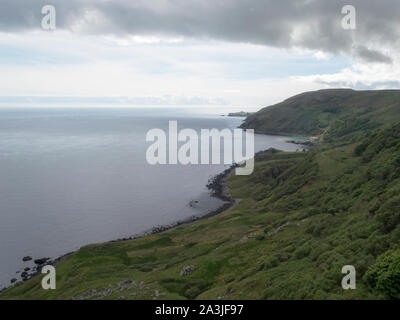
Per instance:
x=41, y=261
x=187, y=269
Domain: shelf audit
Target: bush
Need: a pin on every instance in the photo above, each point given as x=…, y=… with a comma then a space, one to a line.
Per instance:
x=303, y=251
x=384, y=275
x=272, y=262
x=359, y=150
x=389, y=214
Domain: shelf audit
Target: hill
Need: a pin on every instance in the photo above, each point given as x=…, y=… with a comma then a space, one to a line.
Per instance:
x=336, y=115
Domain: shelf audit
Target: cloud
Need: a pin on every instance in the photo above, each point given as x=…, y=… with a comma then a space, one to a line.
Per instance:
x=360, y=76
x=130, y=101
x=371, y=55
x=66, y=69
x=308, y=24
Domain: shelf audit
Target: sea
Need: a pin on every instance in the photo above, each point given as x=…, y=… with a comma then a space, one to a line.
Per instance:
x=79, y=175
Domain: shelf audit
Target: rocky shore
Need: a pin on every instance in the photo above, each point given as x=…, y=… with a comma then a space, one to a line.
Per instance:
x=218, y=188
x=308, y=143
x=29, y=272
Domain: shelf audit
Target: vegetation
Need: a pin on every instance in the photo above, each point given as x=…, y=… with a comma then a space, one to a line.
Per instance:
x=301, y=218
x=337, y=115
x=385, y=274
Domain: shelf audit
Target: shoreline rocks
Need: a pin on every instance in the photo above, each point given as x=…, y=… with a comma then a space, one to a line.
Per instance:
x=29, y=272
x=217, y=185
x=41, y=261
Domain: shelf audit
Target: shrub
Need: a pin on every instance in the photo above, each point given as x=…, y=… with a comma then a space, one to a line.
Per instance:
x=384, y=275
x=359, y=150
x=389, y=214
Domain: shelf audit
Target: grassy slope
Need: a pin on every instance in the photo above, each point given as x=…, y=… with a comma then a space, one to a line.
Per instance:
x=338, y=115
x=301, y=218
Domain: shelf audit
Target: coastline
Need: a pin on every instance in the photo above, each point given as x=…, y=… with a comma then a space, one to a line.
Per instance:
x=217, y=185
x=304, y=141
x=218, y=188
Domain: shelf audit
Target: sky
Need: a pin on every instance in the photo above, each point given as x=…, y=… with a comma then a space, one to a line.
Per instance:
x=194, y=52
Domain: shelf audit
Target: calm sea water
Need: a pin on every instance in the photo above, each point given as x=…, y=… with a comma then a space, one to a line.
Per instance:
x=69, y=177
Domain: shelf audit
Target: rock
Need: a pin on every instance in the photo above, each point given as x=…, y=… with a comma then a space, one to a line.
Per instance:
x=41, y=261
x=38, y=268
x=27, y=258
x=89, y=294
x=125, y=285
x=193, y=203
x=229, y=280
x=157, y=294
x=106, y=293
x=27, y=269
x=13, y=280
x=186, y=270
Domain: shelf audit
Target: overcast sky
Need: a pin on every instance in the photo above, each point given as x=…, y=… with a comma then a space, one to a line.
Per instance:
x=238, y=52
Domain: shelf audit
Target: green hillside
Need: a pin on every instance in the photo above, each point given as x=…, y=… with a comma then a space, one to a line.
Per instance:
x=301, y=218
x=337, y=115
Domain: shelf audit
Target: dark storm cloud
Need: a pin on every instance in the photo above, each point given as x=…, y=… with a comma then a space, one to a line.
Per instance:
x=372, y=55
x=310, y=24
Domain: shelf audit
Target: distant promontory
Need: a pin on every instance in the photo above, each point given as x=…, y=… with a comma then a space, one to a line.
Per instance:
x=240, y=114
